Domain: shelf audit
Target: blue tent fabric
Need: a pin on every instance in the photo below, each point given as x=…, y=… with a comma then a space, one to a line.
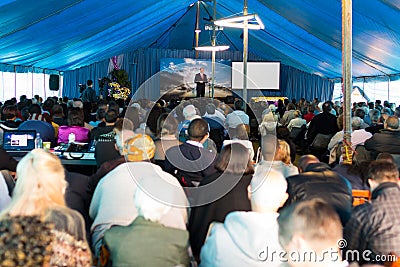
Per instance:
x=305, y=34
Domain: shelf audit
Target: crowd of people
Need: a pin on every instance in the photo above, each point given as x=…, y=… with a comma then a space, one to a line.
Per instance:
x=199, y=181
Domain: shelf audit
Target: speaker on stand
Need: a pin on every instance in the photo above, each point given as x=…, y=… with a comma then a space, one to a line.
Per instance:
x=54, y=82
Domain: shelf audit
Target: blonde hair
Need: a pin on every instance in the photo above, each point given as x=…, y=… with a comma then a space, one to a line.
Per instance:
x=40, y=185
x=283, y=153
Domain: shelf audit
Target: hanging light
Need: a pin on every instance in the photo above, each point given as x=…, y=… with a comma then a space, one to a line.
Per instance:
x=253, y=22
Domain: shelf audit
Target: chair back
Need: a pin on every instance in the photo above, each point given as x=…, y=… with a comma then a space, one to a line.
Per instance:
x=321, y=141
x=360, y=196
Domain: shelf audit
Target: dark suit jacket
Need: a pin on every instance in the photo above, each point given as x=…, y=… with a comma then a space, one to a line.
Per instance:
x=319, y=181
x=385, y=141
x=323, y=123
x=184, y=160
x=201, y=83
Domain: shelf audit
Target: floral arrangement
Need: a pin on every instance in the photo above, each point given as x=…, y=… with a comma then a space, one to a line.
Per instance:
x=118, y=92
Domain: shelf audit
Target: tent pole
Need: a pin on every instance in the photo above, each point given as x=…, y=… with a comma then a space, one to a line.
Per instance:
x=213, y=43
x=197, y=30
x=347, y=78
x=245, y=47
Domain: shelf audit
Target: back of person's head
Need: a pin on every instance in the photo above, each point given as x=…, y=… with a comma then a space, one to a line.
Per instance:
x=283, y=152
x=112, y=105
x=75, y=117
x=311, y=108
x=123, y=124
x=291, y=106
x=231, y=160
x=139, y=148
x=268, y=192
x=326, y=107
x=356, y=123
x=210, y=109
x=238, y=105
x=35, y=109
x=239, y=132
x=58, y=110
x=189, y=112
x=198, y=129
x=381, y=171
x=392, y=122
x=77, y=103
x=359, y=113
x=311, y=223
x=385, y=156
x=148, y=206
x=111, y=116
x=89, y=82
x=100, y=114
x=306, y=160
x=10, y=112
x=169, y=126
x=120, y=138
x=374, y=114
x=297, y=114
x=40, y=185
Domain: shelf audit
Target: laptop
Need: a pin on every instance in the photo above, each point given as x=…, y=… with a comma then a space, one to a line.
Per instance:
x=18, y=143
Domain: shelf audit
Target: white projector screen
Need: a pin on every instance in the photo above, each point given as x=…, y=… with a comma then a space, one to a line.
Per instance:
x=260, y=75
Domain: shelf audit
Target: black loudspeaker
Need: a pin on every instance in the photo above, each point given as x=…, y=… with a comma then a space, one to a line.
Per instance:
x=54, y=82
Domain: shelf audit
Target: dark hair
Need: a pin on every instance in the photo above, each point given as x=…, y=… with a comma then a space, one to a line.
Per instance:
x=231, y=160
x=359, y=113
x=326, y=107
x=75, y=117
x=48, y=104
x=124, y=124
x=238, y=104
x=375, y=115
x=57, y=110
x=35, y=108
x=112, y=105
x=100, y=114
x=198, y=128
x=383, y=171
x=111, y=116
x=10, y=112
x=89, y=82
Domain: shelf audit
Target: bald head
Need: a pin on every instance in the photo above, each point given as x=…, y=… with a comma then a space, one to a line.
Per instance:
x=306, y=160
x=268, y=192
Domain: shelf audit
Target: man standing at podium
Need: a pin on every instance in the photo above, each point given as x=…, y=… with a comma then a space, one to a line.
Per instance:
x=200, y=79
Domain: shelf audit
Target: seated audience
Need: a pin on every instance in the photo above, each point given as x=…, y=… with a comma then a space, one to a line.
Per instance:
x=215, y=114
x=280, y=161
x=267, y=194
x=134, y=244
x=112, y=202
x=100, y=117
x=358, y=137
x=75, y=126
x=375, y=226
x=234, y=172
x=39, y=196
x=38, y=123
x=238, y=116
x=58, y=115
x=310, y=115
x=110, y=118
x=387, y=140
x=317, y=180
x=289, y=114
x=239, y=135
x=167, y=138
x=376, y=124
x=355, y=173
x=190, y=162
x=323, y=123
x=296, y=122
x=189, y=114
x=10, y=120
x=309, y=231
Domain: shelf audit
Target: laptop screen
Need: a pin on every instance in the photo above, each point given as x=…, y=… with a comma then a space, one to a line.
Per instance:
x=19, y=141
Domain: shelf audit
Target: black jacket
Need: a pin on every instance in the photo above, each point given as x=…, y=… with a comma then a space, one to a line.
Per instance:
x=319, y=181
x=323, y=123
x=190, y=163
x=385, y=141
